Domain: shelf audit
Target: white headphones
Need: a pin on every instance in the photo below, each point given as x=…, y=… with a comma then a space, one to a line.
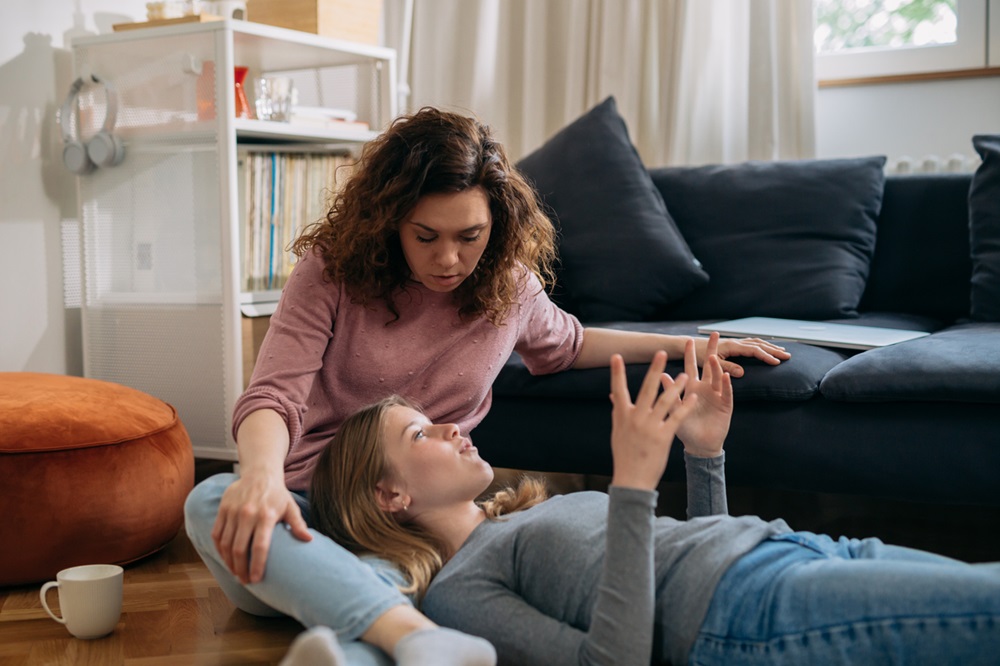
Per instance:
x=104, y=148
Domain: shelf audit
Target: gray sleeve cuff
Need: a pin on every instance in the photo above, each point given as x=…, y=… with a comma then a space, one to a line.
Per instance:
x=706, y=485
x=645, y=498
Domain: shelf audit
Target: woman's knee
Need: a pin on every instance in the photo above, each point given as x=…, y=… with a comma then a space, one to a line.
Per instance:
x=202, y=504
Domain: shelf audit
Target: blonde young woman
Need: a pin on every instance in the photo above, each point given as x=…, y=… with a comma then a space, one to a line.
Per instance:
x=426, y=274
x=590, y=578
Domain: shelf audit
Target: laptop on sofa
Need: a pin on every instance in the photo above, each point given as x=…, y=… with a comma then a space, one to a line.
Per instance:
x=819, y=333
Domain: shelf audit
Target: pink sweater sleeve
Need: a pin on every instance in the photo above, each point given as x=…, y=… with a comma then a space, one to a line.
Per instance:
x=549, y=338
x=291, y=353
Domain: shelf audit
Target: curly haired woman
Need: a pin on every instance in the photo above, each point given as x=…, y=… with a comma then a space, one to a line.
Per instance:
x=426, y=274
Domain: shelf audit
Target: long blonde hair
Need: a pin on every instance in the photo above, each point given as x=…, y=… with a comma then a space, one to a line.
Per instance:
x=344, y=505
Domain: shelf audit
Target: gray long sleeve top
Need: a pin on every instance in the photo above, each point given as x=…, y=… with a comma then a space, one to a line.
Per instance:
x=584, y=578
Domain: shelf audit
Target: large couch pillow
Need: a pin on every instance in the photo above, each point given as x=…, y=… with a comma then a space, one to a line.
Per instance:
x=621, y=256
x=787, y=239
x=958, y=364
x=984, y=229
x=924, y=223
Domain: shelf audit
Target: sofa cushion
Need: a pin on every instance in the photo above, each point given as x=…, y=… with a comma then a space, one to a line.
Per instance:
x=984, y=229
x=620, y=254
x=957, y=364
x=789, y=239
x=794, y=380
x=923, y=222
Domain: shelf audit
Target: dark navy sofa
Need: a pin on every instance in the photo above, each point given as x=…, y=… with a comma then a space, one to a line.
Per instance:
x=919, y=420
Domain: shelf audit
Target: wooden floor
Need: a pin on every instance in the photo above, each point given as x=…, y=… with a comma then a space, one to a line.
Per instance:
x=173, y=612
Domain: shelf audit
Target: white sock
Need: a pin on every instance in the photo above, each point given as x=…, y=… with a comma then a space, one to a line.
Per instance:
x=316, y=647
x=444, y=647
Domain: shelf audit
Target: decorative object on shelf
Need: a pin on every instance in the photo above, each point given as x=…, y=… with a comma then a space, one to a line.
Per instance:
x=231, y=9
x=171, y=9
x=242, y=105
x=194, y=18
x=104, y=148
x=276, y=97
x=350, y=20
x=205, y=91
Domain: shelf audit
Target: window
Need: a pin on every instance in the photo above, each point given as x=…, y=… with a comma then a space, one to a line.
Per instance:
x=872, y=38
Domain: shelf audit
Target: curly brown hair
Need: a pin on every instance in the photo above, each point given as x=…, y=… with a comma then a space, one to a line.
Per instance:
x=432, y=152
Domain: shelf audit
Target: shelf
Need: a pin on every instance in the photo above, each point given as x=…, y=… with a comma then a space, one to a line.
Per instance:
x=258, y=309
x=185, y=129
x=154, y=298
x=265, y=129
x=274, y=48
x=267, y=296
x=152, y=226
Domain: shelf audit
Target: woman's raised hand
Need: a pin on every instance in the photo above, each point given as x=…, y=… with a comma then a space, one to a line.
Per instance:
x=642, y=433
x=704, y=431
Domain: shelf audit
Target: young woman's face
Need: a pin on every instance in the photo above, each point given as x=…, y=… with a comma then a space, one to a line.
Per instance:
x=434, y=464
x=444, y=237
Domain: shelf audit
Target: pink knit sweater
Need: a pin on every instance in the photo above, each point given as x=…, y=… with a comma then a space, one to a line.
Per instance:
x=325, y=357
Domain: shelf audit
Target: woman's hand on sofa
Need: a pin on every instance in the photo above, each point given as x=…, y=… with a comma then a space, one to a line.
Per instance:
x=639, y=347
x=765, y=351
x=704, y=431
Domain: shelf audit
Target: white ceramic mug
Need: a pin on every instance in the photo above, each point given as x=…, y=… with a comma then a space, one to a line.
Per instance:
x=90, y=598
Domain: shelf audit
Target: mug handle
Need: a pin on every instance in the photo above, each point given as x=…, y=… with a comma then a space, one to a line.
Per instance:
x=45, y=588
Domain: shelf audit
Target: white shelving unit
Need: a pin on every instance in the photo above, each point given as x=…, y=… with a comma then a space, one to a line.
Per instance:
x=161, y=289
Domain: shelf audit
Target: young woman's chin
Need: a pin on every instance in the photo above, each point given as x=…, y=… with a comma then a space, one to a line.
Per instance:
x=480, y=479
x=488, y=476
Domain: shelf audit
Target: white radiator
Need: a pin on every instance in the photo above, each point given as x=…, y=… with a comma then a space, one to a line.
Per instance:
x=954, y=163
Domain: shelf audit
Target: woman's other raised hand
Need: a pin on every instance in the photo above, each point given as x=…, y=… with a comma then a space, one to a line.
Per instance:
x=704, y=431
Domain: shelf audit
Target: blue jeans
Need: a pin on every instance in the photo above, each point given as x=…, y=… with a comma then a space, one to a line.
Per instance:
x=807, y=599
x=316, y=582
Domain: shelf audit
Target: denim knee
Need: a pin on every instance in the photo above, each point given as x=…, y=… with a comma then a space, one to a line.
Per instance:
x=202, y=506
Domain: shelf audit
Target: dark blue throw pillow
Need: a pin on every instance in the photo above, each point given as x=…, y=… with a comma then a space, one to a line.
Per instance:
x=984, y=230
x=790, y=239
x=621, y=256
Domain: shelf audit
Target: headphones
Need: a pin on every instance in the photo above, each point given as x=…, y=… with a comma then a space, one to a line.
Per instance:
x=104, y=148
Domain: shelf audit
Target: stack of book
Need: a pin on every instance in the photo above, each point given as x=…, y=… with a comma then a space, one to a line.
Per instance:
x=281, y=193
x=326, y=118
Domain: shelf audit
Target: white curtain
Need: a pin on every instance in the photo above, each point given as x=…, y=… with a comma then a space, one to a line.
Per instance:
x=697, y=81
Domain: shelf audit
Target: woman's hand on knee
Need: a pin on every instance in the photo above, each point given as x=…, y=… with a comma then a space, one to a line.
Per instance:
x=248, y=512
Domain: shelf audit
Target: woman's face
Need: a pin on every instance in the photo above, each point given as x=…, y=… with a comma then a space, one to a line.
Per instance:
x=433, y=464
x=444, y=237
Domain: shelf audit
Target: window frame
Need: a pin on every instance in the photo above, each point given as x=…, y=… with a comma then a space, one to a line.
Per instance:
x=993, y=41
x=974, y=34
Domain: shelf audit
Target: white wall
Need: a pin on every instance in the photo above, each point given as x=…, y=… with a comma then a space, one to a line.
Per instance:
x=39, y=323
x=38, y=332
x=907, y=119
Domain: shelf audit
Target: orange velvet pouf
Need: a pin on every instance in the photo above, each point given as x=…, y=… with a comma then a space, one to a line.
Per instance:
x=91, y=472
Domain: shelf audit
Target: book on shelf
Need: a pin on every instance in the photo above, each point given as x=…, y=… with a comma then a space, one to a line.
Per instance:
x=327, y=118
x=280, y=193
